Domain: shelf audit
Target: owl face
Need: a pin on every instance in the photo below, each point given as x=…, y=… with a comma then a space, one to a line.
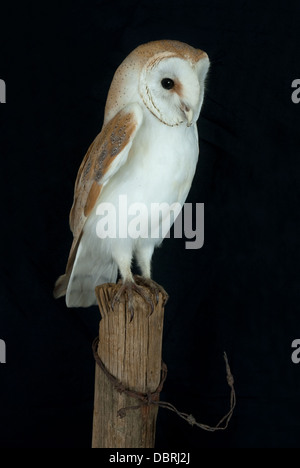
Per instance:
x=165, y=76
x=172, y=89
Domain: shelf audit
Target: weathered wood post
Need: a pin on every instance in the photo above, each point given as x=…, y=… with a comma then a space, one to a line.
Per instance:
x=129, y=352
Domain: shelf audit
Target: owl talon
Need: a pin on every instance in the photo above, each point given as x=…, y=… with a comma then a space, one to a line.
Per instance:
x=127, y=289
x=154, y=287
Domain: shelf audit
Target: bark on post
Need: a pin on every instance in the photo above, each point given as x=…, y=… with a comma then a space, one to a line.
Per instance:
x=131, y=352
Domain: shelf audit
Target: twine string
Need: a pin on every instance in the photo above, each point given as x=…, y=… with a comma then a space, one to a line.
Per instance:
x=152, y=398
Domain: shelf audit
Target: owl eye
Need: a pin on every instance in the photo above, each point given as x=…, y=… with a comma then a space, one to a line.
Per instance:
x=167, y=83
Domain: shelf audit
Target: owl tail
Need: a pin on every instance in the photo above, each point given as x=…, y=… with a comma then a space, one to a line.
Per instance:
x=61, y=286
x=82, y=276
x=82, y=283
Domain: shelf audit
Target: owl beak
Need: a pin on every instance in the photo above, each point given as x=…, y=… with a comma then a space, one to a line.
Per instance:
x=189, y=114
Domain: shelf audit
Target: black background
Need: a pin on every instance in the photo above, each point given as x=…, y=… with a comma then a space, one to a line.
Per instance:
x=239, y=293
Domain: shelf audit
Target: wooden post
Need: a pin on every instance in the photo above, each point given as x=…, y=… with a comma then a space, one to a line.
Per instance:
x=131, y=352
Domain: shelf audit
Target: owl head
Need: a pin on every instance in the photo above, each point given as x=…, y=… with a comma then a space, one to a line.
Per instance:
x=167, y=77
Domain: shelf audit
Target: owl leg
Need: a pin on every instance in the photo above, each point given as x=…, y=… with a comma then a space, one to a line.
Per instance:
x=129, y=287
x=144, y=256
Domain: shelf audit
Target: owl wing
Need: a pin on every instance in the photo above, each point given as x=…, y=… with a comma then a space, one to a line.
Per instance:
x=108, y=152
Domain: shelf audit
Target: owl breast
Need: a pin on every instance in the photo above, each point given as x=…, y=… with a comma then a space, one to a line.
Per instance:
x=161, y=164
x=160, y=169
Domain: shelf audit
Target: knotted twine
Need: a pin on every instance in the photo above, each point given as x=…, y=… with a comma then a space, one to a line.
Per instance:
x=152, y=398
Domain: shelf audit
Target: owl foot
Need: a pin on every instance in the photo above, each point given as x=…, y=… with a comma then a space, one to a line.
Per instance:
x=154, y=287
x=127, y=289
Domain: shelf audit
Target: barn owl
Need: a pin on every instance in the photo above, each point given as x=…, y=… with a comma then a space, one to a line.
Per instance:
x=147, y=151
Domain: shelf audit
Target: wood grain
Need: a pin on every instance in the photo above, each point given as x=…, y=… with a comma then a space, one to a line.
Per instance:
x=131, y=352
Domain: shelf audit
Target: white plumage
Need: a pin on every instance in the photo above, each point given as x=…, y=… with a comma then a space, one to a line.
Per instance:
x=147, y=152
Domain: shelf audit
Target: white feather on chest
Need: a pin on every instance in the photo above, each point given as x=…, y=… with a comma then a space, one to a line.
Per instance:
x=160, y=169
x=160, y=166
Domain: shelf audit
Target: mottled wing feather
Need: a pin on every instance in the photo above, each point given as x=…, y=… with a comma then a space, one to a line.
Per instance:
x=107, y=153
x=92, y=198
